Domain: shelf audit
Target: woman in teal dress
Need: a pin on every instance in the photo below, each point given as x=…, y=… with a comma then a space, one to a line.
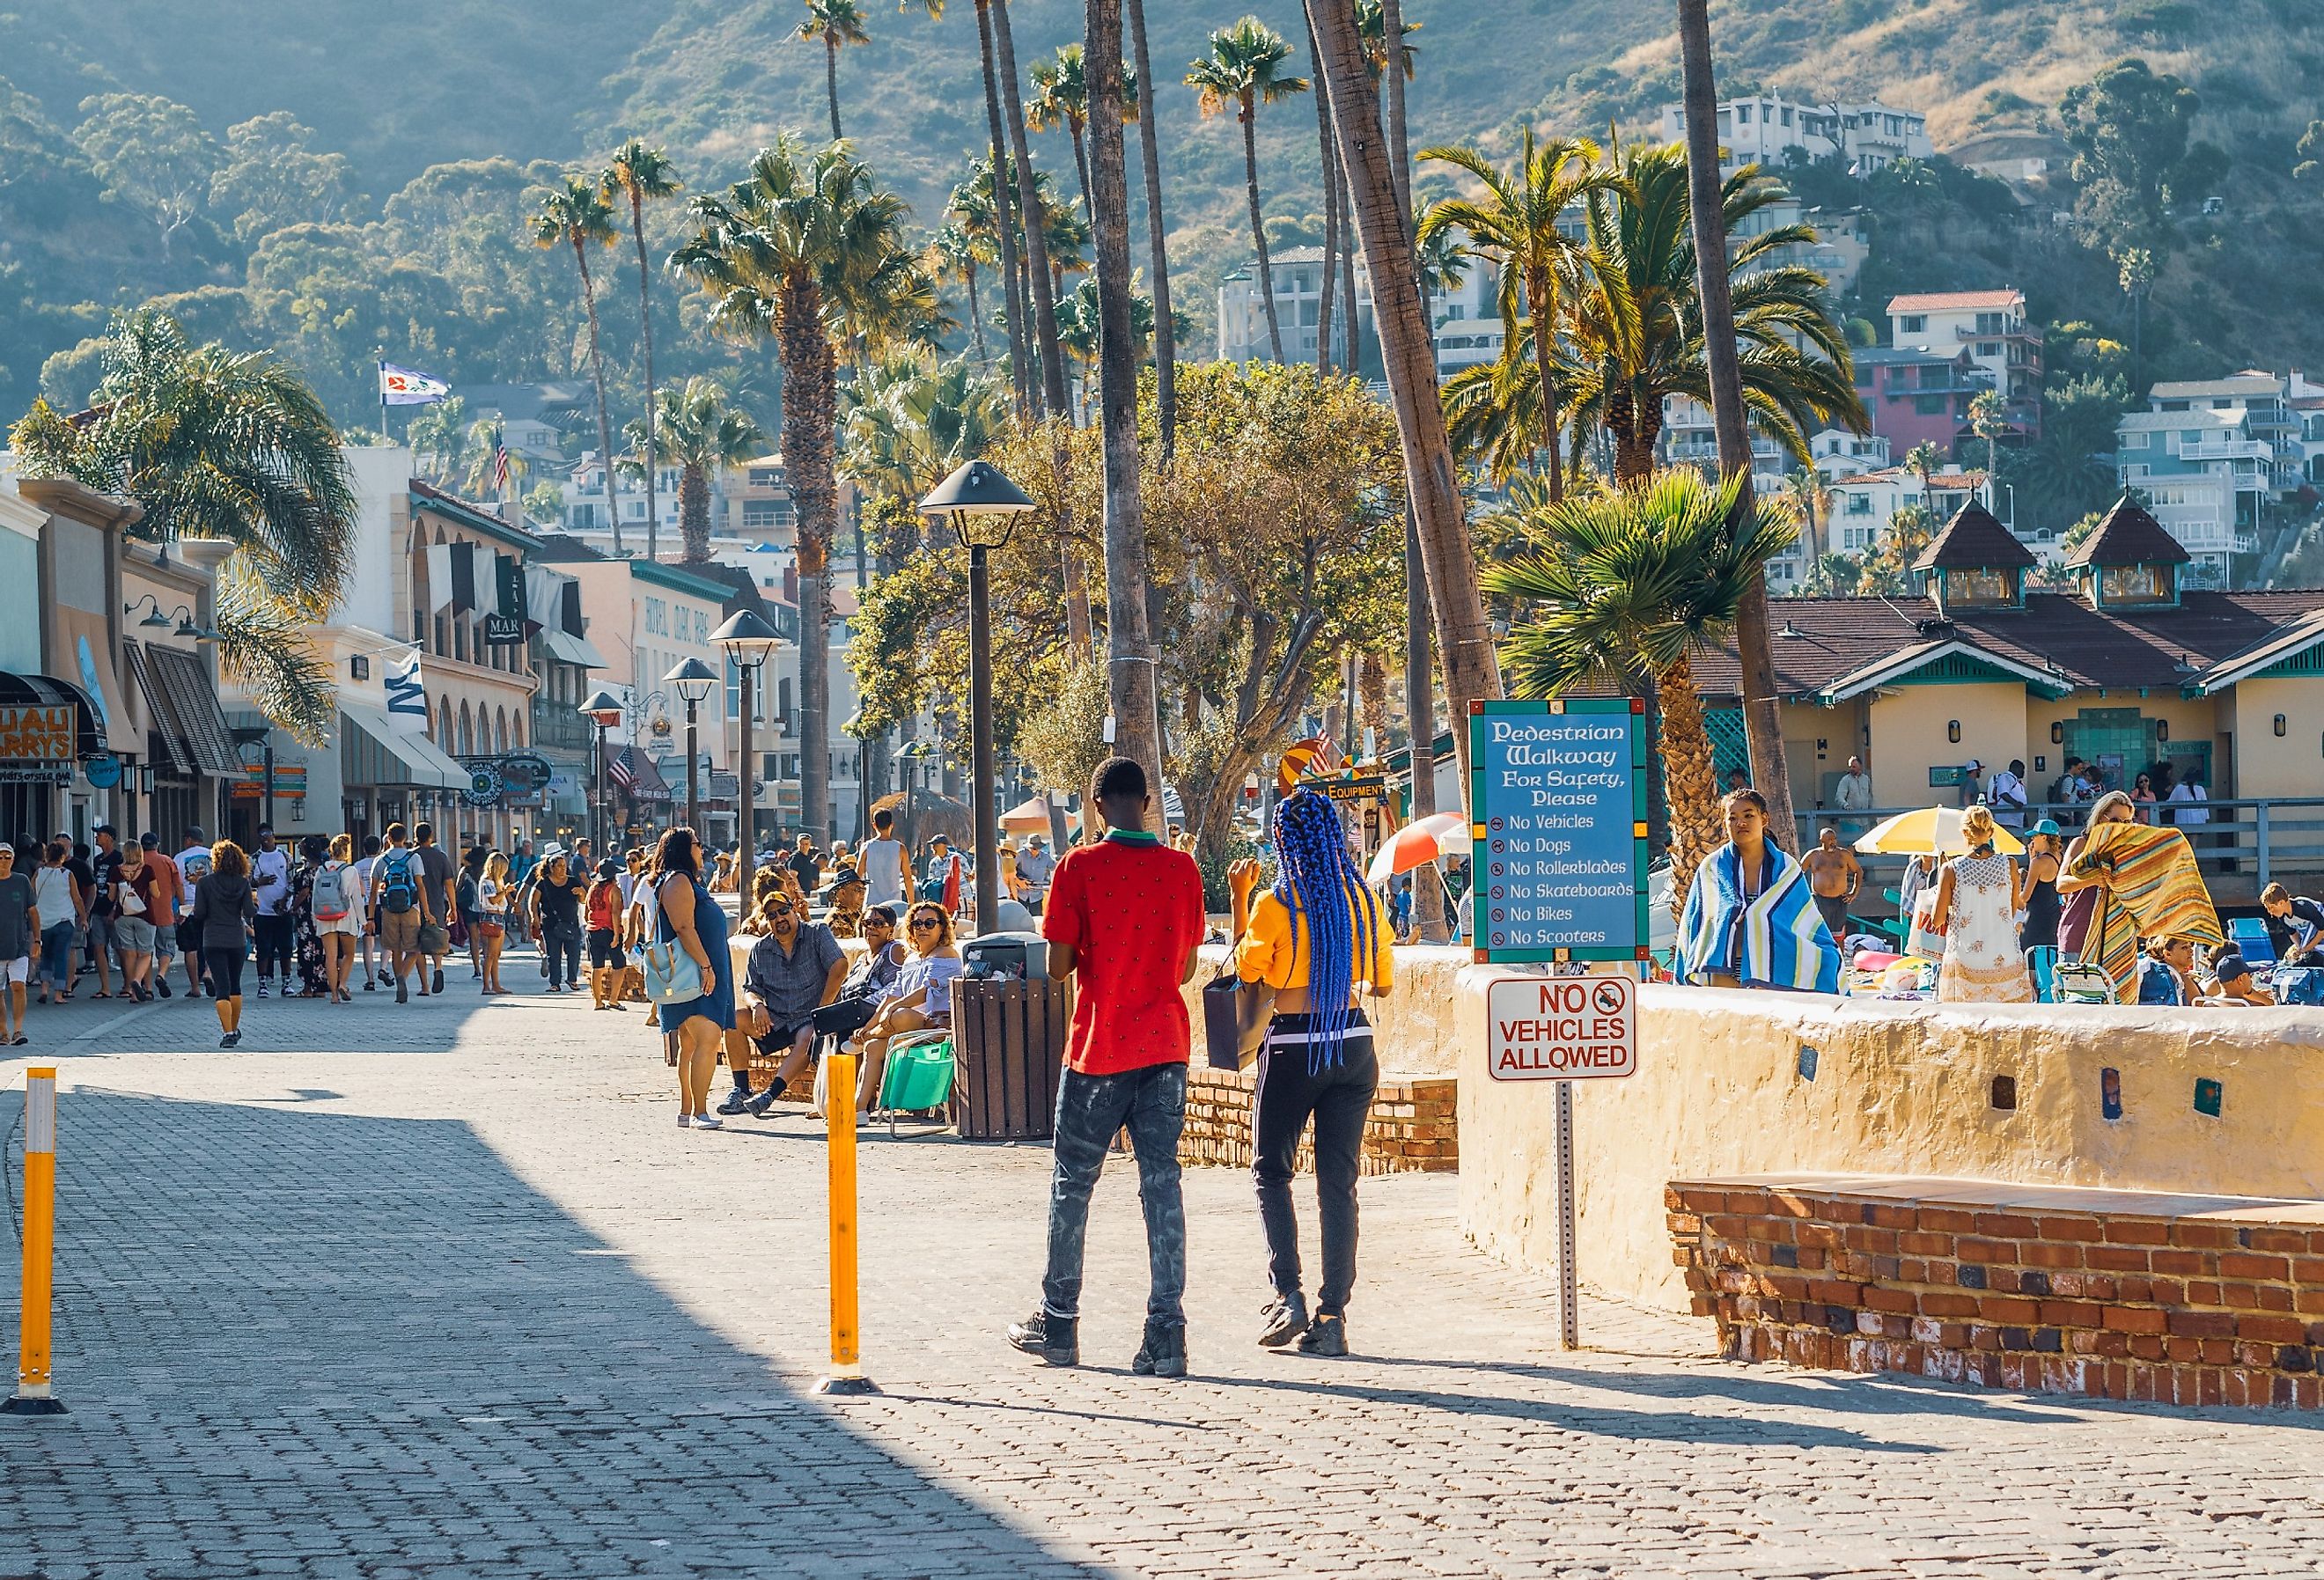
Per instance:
x=687, y=914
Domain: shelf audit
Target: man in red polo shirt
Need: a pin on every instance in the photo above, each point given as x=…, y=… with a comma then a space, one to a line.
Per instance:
x=1126, y=914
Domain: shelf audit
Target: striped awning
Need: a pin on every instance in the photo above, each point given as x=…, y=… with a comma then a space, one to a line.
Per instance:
x=184, y=706
x=373, y=753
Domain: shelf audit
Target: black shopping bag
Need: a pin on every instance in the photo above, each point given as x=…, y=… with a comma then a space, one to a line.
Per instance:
x=1235, y=1014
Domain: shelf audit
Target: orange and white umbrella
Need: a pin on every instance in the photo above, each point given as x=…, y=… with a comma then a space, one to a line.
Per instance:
x=1418, y=844
x=1027, y=817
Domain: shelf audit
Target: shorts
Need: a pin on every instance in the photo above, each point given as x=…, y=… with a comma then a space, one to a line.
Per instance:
x=101, y=934
x=349, y=925
x=225, y=971
x=18, y=971
x=136, y=933
x=781, y=1040
x=189, y=937
x=604, y=953
x=400, y=930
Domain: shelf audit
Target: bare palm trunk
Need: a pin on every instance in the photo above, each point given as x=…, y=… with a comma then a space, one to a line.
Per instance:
x=1392, y=35
x=1165, y=335
x=1081, y=168
x=1333, y=240
x=597, y=373
x=975, y=314
x=1029, y=202
x=694, y=514
x=1762, y=719
x=1542, y=304
x=1689, y=778
x=809, y=399
x=1420, y=712
x=831, y=82
x=1473, y=670
x=1129, y=650
x=645, y=333
x=1354, y=359
x=1004, y=223
x=1249, y=118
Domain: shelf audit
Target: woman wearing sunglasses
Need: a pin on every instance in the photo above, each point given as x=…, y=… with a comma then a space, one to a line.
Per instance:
x=922, y=997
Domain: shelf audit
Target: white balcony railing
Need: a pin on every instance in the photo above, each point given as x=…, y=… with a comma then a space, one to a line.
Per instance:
x=2227, y=450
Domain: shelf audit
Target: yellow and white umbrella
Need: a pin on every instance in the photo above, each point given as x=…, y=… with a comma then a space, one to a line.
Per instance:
x=1930, y=831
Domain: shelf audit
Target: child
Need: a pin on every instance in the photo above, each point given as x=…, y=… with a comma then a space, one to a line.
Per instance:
x=2301, y=917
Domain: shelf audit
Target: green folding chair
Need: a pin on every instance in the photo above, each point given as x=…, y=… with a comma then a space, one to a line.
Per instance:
x=922, y=1074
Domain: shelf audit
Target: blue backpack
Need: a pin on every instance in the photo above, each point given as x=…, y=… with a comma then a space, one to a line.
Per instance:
x=2299, y=985
x=399, y=892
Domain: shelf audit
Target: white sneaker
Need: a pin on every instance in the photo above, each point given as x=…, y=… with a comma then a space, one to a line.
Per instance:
x=706, y=1121
x=683, y=1120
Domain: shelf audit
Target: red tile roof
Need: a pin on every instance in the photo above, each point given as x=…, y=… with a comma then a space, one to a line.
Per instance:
x=1936, y=301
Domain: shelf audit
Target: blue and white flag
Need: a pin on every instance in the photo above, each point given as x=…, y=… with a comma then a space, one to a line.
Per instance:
x=405, y=386
x=406, y=698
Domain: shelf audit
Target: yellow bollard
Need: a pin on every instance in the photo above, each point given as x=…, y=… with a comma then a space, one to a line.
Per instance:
x=846, y=1374
x=32, y=1397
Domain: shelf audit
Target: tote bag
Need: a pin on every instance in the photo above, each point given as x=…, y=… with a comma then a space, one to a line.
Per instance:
x=1235, y=1014
x=672, y=976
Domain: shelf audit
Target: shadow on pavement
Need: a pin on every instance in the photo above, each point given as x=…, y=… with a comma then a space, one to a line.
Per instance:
x=353, y=1342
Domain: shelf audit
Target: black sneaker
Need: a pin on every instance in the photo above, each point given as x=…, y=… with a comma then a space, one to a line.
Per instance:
x=765, y=1100
x=402, y=993
x=164, y=986
x=438, y=984
x=1325, y=1336
x=1282, y=1321
x=1163, y=1353
x=736, y=1101
x=231, y=1039
x=262, y=987
x=1056, y=1339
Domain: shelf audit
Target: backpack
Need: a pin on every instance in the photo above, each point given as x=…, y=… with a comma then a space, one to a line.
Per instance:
x=469, y=896
x=398, y=892
x=329, y=898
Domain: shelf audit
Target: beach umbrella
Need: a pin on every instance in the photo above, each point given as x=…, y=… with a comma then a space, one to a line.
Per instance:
x=1930, y=831
x=1418, y=844
x=1030, y=816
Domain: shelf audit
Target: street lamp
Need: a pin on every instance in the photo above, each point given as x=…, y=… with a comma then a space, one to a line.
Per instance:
x=603, y=710
x=693, y=680
x=982, y=507
x=749, y=641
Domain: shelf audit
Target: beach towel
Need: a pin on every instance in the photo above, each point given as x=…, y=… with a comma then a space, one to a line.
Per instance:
x=1777, y=941
x=2153, y=891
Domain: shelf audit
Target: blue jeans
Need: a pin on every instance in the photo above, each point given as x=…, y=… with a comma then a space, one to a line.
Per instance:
x=561, y=944
x=1152, y=1103
x=57, y=956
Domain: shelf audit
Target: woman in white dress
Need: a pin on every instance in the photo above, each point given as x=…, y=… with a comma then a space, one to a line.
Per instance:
x=1978, y=896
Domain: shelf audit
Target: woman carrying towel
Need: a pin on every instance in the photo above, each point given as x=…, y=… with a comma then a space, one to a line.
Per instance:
x=1749, y=920
x=1311, y=937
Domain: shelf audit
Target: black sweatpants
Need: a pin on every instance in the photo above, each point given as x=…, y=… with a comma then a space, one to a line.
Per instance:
x=274, y=935
x=1338, y=1097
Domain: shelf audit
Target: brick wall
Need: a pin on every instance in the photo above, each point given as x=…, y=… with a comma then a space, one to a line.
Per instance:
x=1412, y=1124
x=2198, y=1300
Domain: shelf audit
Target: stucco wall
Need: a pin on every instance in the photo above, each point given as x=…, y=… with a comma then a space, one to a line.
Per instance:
x=2266, y=765
x=1908, y=736
x=1899, y=1089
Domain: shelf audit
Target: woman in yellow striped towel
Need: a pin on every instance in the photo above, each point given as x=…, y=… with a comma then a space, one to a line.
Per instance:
x=2150, y=887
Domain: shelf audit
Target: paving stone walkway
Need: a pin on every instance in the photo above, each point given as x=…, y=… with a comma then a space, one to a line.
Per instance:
x=443, y=1290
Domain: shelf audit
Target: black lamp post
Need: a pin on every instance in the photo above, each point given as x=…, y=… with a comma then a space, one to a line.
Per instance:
x=603, y=710
x=982, y=507
x=749, y=641
x=693, y=680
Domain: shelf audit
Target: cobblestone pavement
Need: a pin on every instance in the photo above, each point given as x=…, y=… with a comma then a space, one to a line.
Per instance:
x=445, y=1292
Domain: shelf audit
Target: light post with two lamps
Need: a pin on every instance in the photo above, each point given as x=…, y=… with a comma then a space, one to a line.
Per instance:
x=982, y=507
x=602, y=710
x=749, y=641
x=693, y=680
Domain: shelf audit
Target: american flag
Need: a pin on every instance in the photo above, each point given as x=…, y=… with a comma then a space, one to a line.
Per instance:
x=501, y=468
x=619, y=770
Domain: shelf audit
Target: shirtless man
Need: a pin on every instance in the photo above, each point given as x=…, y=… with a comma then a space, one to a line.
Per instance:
x=1834, y=876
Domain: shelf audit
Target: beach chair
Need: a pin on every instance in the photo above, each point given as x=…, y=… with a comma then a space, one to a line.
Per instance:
x=2251, y=936
x=2041, y=960
x=921, y=1073
x=1896, y=926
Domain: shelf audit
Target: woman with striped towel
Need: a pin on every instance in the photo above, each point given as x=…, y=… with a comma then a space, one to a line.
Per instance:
x=2147, y=886
x=1749, y=920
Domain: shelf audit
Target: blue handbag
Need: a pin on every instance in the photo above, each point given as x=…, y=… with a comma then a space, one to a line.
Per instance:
x=672, y=975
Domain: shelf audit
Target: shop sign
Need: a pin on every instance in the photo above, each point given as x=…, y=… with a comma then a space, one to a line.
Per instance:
x=35, y=774
x=290, y=783
x=526, y=772
x=102, y=773
x=38, y=732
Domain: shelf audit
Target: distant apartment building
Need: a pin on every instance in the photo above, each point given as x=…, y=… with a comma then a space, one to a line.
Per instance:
x=2209, y=454
x=1917, y=396
x=1841, y=454
x=1298, y=278
x=1770, y=130
x=1992, y=327
x=1861, y=505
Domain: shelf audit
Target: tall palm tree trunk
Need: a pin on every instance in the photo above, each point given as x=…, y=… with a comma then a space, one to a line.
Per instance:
x=1353, y=360
x=1541, y=302
x=1392, y=35
x=1029, y=202
x=809, y=400
x=1130, y=650
x=1082, y=169
x=1473, y=670
x=597, y=373
x=1420, y=690
x=1333, y=240
x=831, y=81
x=1762, y=719
x=1166, y=341
x=1249, y=117
x=1004, y=223
x=1690, y=781
x=694, y=514
x=645, y=334
x=976, y=315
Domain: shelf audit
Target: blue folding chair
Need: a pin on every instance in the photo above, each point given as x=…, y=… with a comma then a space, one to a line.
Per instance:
x=2041, y=960
x=2251, y=939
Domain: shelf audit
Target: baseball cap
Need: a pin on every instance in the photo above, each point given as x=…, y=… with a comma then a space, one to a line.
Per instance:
x=148, y=840
x=194, y=832
x=2048, y=826
x=1974, y=763
x=105, y=828
x=2230, y=966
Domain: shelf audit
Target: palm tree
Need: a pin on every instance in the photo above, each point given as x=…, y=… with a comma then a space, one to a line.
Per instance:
x=836, y=23
x=1062, y=99
x=436, y=436
x=220, y=444
x=1989, y=419
x=1033, y=207
x=480, y=460
x=1925, y=459
x=954, y=254
x=1635, y=322
x=1245, y=69
x=576, y=215
x=793, y=252
x=1077, y=320
x=1515, y=222
x=699, y=432
x=1375, y=21
x=643, y=175
x=1022, y=377
x=1642, y=577
x=1157, y=257
x=910, y=421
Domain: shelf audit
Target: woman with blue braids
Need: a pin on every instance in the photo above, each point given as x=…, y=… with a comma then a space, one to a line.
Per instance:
x=1311, y=937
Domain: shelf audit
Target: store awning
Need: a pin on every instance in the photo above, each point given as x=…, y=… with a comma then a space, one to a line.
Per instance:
x=373, y=753
x=568, y=648
x=635, y=775
x=188, y=707
x=169, y=751
x=46, y=691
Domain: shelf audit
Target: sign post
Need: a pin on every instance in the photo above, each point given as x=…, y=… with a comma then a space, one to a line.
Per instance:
x=1559, y=878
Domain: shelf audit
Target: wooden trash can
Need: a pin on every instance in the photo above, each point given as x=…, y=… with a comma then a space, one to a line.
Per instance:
x=1008, y=1037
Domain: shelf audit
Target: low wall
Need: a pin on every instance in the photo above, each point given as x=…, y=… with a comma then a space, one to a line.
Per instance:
x=1410, y=1130
x=1723, y=1088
